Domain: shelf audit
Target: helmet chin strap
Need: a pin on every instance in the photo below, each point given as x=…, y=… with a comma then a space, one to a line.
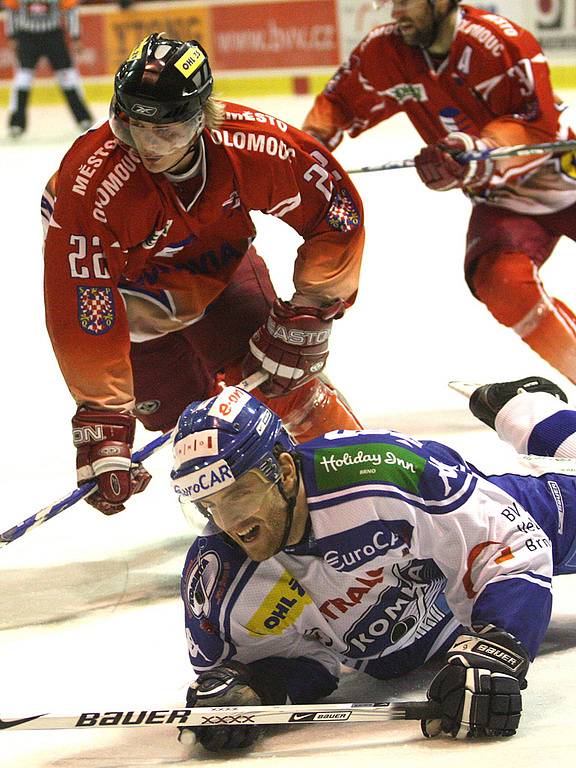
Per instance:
x=192, y=150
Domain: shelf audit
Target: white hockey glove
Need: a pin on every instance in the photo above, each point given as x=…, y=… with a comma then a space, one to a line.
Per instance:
x=479, y=687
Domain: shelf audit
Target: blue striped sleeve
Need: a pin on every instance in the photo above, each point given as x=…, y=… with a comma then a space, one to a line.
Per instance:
x=521, y=605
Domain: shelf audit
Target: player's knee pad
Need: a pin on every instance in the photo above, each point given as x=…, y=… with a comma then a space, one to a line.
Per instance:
x=308, y=411
x=508, y=284
x=314, y=408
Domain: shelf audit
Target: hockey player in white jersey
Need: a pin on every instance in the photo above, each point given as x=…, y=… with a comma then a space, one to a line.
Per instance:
x=373, y=550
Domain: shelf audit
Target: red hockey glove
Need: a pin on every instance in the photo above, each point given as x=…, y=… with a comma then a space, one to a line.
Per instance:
x=103, y=441
x=439, y=169
x=292, y=346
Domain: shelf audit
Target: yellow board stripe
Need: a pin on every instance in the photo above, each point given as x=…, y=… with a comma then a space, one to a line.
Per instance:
x=226, y=87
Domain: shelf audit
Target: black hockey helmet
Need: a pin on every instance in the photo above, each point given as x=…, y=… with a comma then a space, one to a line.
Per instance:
x=162, y=81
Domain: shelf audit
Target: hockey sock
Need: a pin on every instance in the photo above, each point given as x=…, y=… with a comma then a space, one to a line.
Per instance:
x=19, y=106
x=77, y=105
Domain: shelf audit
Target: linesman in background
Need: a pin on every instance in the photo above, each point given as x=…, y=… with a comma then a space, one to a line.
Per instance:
x=37, y=29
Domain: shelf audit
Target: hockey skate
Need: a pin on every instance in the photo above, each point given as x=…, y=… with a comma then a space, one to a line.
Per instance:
x=15, y=131
x=16, y=125
x=486, y=400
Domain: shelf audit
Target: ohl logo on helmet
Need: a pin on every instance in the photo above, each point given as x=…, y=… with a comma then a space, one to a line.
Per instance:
x=190, y=61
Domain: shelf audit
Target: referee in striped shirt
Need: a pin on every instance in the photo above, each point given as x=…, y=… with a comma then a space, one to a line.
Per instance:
x=37, y=29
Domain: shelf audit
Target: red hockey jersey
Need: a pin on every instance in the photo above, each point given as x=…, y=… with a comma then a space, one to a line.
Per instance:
x=130, y=253
x=494, y=82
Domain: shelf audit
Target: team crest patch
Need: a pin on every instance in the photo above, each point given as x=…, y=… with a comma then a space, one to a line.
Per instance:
x=95, y=309
x=343, y=214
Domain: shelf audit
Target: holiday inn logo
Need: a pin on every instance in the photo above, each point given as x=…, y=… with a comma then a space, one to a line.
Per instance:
x=369, y=462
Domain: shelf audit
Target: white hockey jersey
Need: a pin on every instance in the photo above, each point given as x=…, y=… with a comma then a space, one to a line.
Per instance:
x=406, y=543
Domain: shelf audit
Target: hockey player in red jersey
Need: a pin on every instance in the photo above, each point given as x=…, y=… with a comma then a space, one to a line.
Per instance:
x=469, y=79
x=152, y=285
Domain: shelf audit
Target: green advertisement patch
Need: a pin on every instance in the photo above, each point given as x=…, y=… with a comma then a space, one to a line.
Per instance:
x=370, y=462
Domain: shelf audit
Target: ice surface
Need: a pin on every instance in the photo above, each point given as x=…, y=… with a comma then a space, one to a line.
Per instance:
x=89, y=607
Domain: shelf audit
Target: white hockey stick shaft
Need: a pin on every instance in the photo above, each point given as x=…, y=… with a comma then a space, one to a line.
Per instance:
x=211, y=716
x=467, y=157
x=251, y=382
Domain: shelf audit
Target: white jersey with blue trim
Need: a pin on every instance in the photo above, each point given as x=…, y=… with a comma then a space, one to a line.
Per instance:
x=438, y=509
x=406, y=543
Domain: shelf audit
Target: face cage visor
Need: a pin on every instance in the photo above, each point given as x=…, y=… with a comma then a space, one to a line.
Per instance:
x=197, y=511
x=162, y=138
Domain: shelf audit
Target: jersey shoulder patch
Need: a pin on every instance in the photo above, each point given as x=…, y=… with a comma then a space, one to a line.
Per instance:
x=212, y=563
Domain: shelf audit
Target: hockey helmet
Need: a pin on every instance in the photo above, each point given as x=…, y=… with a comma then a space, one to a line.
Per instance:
x=161, y=82
x=219, y=440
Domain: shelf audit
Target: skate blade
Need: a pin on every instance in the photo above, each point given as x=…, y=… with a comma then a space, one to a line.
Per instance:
x=464, y=387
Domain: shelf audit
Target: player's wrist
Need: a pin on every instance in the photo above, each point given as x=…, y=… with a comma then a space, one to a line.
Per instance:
x=303, y=309
x=490, y=648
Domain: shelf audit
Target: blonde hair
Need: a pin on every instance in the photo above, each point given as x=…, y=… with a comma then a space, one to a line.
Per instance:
x=214, y=113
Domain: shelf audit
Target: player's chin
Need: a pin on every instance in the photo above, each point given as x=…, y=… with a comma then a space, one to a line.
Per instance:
x=260, y=548
x=414, y=37
x=155, y=164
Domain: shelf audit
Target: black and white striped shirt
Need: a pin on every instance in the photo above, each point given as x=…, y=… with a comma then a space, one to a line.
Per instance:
x=39, y=16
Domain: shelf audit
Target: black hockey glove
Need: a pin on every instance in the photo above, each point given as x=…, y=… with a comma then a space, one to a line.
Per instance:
x=228, y=685
x=479, y=687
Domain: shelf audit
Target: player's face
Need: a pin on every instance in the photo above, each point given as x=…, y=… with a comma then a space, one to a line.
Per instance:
x=161, y=147
x=252, y=512
x=415, y=19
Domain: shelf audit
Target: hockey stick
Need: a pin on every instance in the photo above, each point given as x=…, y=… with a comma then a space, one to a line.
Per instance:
x=251, y=382
x=463, y=387
x=467, y=157
x=275, y=715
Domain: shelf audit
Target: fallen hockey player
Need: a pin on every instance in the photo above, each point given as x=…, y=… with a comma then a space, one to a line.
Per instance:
x=373, y=550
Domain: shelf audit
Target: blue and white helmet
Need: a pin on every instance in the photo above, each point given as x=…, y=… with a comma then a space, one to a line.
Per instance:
x=220, y=439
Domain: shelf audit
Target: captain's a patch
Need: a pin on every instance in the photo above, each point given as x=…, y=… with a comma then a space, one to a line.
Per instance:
x=96, y=312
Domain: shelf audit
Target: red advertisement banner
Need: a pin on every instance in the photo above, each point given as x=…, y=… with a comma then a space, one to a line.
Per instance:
x=238, y=36
x=274, y=35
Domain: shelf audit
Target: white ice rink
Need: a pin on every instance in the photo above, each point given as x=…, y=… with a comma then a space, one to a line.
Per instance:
x=89, y=607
